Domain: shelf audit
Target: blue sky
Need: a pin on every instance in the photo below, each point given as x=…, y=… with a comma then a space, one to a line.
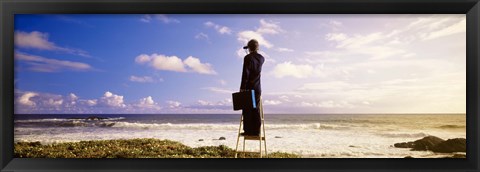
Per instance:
x=155, y=63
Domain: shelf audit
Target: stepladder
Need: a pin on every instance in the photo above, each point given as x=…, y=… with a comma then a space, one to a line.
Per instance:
x=260, y=138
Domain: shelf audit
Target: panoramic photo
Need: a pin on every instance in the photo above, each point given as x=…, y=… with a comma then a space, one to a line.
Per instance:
x=240, y=86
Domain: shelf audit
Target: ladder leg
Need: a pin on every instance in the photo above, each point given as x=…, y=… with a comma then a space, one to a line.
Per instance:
x=265, y=143
x=260, y=139
x=244, y=147
x=263, y=126
x=265, y=138
x=238, y=136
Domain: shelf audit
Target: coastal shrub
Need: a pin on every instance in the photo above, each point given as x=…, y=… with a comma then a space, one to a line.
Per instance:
x=132, y=148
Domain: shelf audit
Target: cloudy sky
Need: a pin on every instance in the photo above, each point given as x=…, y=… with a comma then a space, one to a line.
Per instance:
x=192, y=63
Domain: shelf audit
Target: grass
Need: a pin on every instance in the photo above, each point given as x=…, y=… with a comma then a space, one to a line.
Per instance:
x=131, y=148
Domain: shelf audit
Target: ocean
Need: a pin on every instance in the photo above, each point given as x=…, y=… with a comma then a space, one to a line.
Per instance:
x=309, y=135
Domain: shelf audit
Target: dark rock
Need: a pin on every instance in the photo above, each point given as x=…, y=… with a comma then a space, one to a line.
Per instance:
x=200, y=140
x=352, y=146
x=459, y=156
x=404, y=145
x=277, y=137
x=427, y=143
x=451, y=145
x=222, y=138
x=409, y=157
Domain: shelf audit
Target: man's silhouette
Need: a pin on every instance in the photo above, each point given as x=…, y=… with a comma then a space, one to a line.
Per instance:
x=252, y=67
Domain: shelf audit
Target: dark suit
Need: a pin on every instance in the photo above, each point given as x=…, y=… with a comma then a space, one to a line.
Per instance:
x=252, y=68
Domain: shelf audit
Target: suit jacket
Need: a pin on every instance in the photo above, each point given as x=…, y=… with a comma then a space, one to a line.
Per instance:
x=252, y=68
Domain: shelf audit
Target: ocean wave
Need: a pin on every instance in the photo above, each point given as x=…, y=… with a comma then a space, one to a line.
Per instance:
x=42, y=120
x=204, y=126
x=85, y=124
x=403, y=135
x=65, y=119
x=451, y=126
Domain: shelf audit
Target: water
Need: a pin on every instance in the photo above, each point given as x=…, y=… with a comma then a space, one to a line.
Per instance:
x=310, y=135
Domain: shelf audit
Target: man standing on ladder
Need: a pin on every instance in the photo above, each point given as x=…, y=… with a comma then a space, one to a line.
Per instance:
x=252, y=68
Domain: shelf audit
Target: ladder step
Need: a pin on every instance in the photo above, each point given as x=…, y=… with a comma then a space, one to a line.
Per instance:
x=253, y=137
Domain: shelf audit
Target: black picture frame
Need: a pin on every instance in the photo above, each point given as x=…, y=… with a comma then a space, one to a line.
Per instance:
x=9, y=8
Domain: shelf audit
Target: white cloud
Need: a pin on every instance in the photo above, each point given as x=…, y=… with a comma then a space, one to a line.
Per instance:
x=332, y=25
x=219, y=90
x=459, y=27
x=42, y=64
x=32, y=102
x=199, y=67
x=202, y=36
x=25, y=99
x=203, y=105
x=53, y=102
x=284, y=50
x=174, y=104
x=272, y=102
x=336, y=36
x=165, y=19
x=92, y=102
x=36, y=102
x=160, y=17
x=173, y=63
x=327, y=104
x=288, y=69
x=146, y=18
x=357, y=40
x=113, y=100
x=373, y=45
x=269, y=27
x=162, y=62
x=148, y=103
x=429, y=27
x=142, y=79
x=143, y=58
x=246, y=36
x=264, y=29
x=39, y=40
x=220, y=29
x=73, y=96
x=382, y=43
x=284, y=98
x=34, y=39
x=227, y=101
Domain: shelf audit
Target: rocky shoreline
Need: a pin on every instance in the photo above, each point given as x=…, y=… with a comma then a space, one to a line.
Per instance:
x=432, y=143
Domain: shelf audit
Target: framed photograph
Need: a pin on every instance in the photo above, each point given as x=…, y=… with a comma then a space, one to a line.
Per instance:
x=147, y=85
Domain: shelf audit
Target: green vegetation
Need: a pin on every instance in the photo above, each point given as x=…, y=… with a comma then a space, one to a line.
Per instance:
x=133, y=148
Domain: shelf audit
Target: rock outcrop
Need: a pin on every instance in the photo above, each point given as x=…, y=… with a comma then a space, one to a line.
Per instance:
x=435, y=144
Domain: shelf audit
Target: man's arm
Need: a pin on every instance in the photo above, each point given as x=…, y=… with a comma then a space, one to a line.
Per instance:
x=245, y=74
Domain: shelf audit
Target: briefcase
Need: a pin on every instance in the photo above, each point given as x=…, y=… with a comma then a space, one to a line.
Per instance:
x=244, y=100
